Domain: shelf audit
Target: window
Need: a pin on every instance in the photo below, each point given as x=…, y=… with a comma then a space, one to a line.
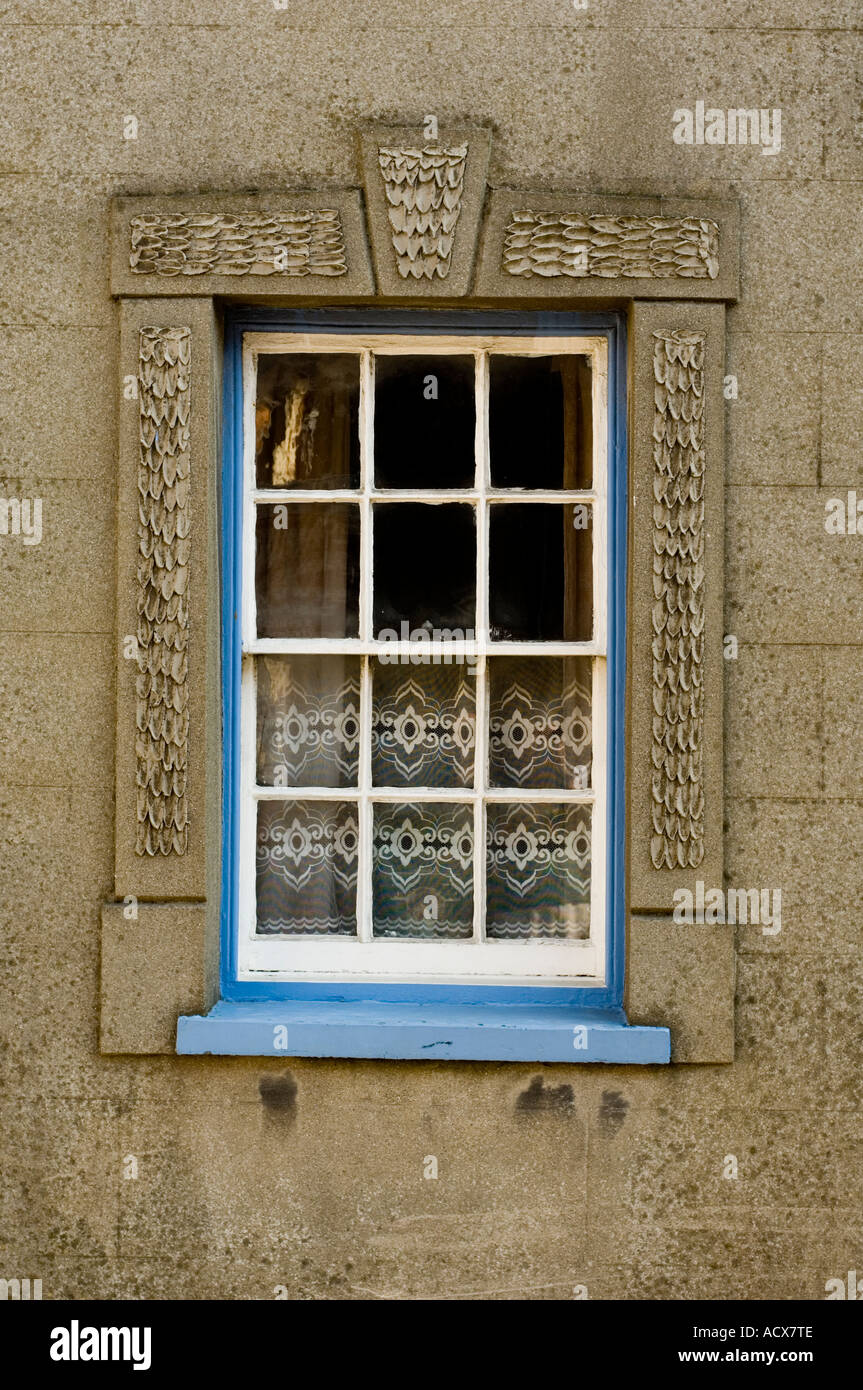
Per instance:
x=424, y=787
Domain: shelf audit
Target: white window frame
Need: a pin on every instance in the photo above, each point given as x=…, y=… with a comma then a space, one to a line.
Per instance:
x=364, y=958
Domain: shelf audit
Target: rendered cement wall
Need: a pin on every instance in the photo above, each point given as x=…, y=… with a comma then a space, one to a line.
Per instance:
x=253, y=1175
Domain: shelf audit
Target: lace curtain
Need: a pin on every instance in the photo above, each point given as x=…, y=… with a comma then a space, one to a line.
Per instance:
x=424, y=734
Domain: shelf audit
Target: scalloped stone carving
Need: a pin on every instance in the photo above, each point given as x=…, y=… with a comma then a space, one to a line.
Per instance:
x=219, y=243
x=678, y=609
x=569, y=243
x=424, y=191
x=161, y=745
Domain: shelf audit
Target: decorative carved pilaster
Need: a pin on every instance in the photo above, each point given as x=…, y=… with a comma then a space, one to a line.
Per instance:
x=678, y=608
x=163, y=589
x=424, y=189
x=551, y=244
x=218, y=243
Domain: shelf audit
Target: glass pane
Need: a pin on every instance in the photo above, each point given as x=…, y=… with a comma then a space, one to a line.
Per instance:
x=422, y=883
x=308, y=721
x=540, y=722
x=540, y=433
x=425, y=419
x=540, y=572
x=424, y=568
x=306, y=866
x=423, y=725
x=538, y=868
x=307, y=569
x=307, y=421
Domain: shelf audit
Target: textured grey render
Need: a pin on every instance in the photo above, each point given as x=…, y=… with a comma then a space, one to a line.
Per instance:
x=548, y=1176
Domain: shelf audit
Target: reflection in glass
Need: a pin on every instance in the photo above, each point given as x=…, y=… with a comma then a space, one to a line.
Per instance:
x=308, y=728
x=425, y=420
x=424, y=567
x=540, y=721
x=306, y=868
x=538, y=872
x=307, y=421
x=307, y=569
x=422, y=885
x=540, y=572
x=423, y=725
x=540, y=433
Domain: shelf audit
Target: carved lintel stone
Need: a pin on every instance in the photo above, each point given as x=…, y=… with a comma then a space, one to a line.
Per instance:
x=590, y=246
x=424, y=199
x=162, y=707
x=297, y=243
x=574, y=244
x=200, y=245
x=678, y=608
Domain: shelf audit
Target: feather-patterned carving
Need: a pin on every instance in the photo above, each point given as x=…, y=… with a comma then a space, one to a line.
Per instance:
x=678, y=608
x=248, y=243
x=161, y=745
x=424, y=191
x=568, y=243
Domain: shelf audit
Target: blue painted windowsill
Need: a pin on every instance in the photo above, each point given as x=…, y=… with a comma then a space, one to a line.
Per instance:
x=463, y=1032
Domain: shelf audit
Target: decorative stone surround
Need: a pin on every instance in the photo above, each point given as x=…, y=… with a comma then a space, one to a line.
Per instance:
x=425, y=228
x=678, y=609
x=575, y=244
x=163, y=589
x=217, y=243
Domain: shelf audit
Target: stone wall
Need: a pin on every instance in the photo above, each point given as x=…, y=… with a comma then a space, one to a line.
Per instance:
x=310, y=1175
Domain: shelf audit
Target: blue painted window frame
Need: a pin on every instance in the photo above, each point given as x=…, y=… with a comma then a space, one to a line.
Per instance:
x=388, y=1019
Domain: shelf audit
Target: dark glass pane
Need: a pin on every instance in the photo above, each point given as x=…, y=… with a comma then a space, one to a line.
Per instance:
x=538, y=872
x=307, y=569
x=423, y=725
x=425, y=418
x=307, y=421
x=308, y=721
x=306, y=868
x=539, y=721
x=422, y=876
x=540, y=573
x=424, y=567
x=540, y=433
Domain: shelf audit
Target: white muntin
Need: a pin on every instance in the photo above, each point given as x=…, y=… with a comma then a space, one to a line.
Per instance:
x=736, y=125
x=420, y=646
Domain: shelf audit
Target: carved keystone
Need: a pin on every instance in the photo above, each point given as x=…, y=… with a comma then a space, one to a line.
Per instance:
x=424, y=201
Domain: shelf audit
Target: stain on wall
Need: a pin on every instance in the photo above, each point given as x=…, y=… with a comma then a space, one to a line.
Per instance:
x=279, y=1096
x=538, y=1097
